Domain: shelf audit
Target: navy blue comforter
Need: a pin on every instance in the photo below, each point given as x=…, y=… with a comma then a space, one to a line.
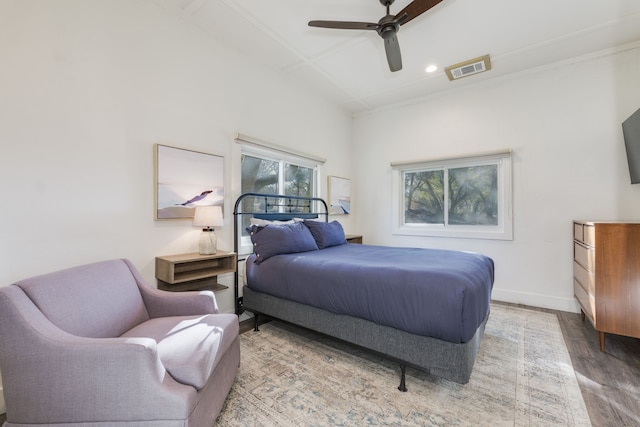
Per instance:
x=429, y=292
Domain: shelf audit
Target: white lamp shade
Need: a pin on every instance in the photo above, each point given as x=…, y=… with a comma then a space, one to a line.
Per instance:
x=208, y=216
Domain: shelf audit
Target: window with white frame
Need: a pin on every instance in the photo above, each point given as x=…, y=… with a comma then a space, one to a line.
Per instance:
x=467, y=197
x=264, y=172
x=270, y=170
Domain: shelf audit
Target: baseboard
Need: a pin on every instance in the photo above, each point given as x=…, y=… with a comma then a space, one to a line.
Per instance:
x=536, y=300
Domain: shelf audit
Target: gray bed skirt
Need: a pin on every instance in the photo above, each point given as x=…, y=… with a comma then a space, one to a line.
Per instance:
x=440, y=358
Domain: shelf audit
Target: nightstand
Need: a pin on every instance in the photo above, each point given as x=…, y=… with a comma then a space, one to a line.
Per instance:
x=192, y=271
x=354, y=238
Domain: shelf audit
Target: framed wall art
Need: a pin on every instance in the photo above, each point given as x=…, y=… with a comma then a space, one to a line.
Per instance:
x=339, y=196
x=185, y=179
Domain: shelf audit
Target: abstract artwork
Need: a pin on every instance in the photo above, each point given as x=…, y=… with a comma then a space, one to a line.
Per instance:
x=185, y=179
x=339, y=195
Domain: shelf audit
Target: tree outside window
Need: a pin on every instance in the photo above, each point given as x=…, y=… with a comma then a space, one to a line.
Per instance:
x=468, y=197
x=269, y=176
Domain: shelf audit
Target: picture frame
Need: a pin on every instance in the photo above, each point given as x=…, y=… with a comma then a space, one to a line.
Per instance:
x=339, y=195
x=185, y=179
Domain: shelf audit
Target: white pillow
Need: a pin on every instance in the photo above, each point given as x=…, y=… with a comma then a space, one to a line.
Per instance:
x=262, y=222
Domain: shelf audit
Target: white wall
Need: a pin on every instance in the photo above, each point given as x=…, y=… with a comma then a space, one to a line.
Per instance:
x=563, y=124
x=87, y=89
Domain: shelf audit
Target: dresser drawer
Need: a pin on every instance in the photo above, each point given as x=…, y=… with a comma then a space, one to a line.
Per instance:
x=589, y=234
x=578, y=232
x=586, y=278
x=586, y=301
x=584, y=256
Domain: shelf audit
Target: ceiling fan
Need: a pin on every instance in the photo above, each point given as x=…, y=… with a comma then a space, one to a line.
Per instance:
x=387, y=27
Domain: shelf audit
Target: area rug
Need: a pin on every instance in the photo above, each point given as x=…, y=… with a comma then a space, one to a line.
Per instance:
x=523, y=376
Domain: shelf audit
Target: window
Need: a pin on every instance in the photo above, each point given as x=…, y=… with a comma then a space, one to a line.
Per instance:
x=261, y=174
x=273, y=171
x=465, y=197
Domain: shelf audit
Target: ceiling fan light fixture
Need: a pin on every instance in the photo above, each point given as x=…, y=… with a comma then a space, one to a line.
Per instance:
x=468, y=68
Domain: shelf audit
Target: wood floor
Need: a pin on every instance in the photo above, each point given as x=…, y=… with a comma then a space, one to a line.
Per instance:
x=609, y=381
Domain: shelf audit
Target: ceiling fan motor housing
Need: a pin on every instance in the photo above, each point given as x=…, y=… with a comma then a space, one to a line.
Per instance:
x=388, y=31
x=388, y=26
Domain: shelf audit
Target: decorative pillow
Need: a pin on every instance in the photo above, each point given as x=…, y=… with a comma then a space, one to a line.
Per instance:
x=272, y=239
x=326, y=234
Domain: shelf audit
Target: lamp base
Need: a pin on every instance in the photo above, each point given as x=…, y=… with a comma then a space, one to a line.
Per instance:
x=208, y=242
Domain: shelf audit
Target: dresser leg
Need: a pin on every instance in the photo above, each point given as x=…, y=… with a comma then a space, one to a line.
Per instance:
x=601, y=337
x=582, y=315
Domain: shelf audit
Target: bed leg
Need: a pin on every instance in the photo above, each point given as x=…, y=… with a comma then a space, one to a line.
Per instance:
x=255, y=322
x=402, y=387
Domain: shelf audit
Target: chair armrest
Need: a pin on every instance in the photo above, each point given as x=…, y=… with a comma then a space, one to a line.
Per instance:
x=102, y=379
x=165, y=303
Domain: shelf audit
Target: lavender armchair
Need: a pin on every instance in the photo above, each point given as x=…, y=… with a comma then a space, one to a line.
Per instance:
x=97, y=345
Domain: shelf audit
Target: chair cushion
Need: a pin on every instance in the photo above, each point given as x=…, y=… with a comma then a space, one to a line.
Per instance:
x=190, y=347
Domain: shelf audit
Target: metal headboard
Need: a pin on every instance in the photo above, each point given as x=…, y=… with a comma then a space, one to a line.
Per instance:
x=273, y=207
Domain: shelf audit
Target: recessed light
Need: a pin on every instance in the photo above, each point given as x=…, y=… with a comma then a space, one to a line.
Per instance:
x=431, y=68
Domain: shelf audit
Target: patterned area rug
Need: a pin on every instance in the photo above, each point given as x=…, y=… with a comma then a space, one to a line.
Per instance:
x=522, y=377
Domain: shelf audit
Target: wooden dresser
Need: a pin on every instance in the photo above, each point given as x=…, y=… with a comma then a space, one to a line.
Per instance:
x=606, y=276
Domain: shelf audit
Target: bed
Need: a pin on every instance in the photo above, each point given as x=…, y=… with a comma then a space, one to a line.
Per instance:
x=423, y=308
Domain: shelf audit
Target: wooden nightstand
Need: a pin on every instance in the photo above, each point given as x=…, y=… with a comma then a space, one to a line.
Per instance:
x=192, y=271
x=354, y=238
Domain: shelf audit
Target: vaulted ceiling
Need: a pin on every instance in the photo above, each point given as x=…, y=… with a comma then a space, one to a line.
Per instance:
x=350, y=66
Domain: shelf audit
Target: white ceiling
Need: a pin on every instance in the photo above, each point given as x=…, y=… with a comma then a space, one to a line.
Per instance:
x=350, y=66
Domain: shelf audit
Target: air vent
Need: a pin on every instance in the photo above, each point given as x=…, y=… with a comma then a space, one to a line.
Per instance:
x=469, y=68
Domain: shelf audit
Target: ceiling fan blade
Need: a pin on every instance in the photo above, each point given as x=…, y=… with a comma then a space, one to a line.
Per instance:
x=344, y=25
x=392, y=48
x=417, y=8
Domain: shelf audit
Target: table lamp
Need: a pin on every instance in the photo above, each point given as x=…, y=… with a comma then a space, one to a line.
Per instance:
x=208, y=217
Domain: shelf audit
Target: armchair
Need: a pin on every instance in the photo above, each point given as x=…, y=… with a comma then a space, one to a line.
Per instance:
x=97, y=345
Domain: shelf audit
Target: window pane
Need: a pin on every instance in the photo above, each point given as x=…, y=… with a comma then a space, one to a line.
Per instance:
x=473, y=195
x=259, y=175
x=424, y=197
x=298, y=181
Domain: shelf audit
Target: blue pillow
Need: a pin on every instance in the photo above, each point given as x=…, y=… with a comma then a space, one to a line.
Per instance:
x=326, y=234
x=272, y=239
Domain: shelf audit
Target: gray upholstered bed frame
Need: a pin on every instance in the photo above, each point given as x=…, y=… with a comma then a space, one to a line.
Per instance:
x=441, y=358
